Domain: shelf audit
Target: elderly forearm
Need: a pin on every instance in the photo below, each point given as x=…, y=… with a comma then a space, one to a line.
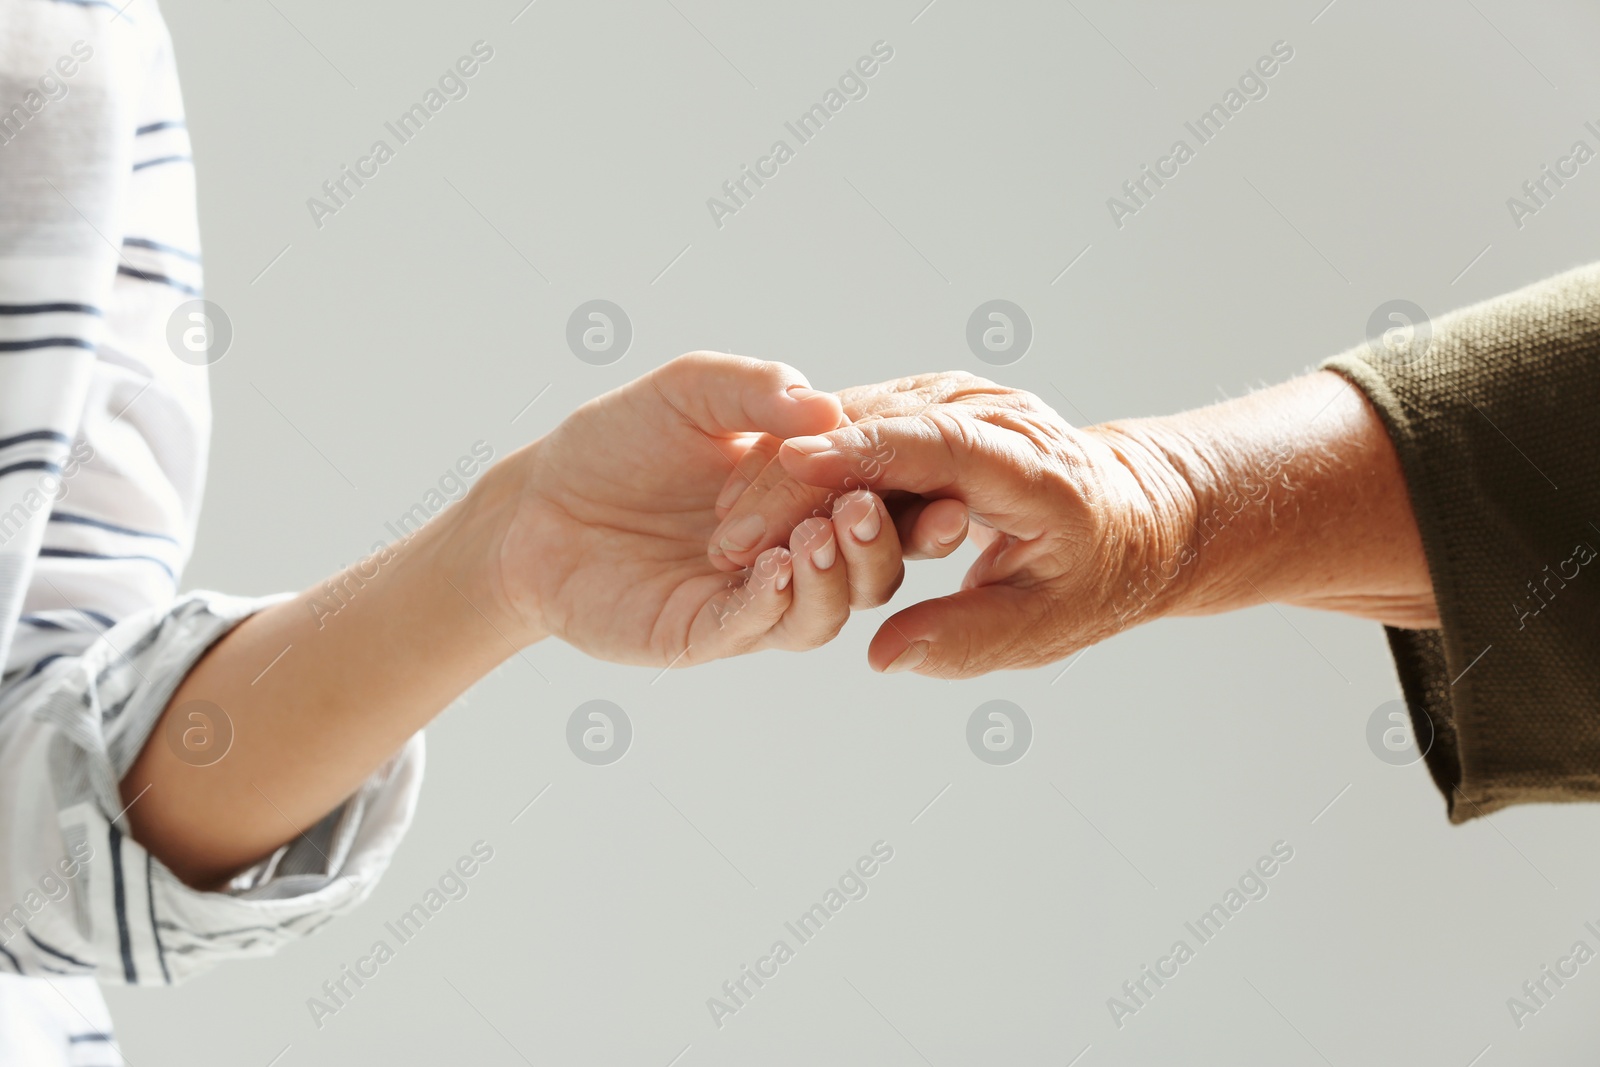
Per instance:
x=343, y=693
x=1293, y=494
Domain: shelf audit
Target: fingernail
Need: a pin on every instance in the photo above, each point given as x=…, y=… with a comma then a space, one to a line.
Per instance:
x=824, y=555
x=960, y=533
x=714, y=550
x=731, y=493
x=743, y=534
x=868, y=527
x=915, y=653
x=784, y=574
x=809, y=446
x=802, y=392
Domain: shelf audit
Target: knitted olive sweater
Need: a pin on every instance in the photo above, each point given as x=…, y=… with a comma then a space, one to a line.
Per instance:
x=1496, y=417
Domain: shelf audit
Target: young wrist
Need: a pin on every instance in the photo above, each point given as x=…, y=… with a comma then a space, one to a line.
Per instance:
x=483, y=550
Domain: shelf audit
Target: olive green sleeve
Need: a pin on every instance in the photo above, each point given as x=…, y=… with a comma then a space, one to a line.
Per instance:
x=1495, y=413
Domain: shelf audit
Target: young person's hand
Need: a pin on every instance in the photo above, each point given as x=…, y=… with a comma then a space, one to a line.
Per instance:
x=761, y=502
x=600, y=528
x=595, y=534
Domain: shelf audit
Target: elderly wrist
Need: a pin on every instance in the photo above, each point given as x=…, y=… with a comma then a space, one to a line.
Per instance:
x=1157, y=570
x=1227, y=555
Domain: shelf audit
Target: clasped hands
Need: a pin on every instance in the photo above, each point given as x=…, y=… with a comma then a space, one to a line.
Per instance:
x=719, y=505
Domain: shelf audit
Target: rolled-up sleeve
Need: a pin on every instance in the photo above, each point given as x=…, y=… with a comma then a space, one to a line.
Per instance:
x=81, y=896
x=1495, y=413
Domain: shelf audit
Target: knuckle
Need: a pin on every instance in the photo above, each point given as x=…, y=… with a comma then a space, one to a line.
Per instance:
x=808, y=535
x=1028, y=401
x=958, y=661
x=695, y=359
x=850, y=506
x=955, y=432
x=792, y=501
x=960, y=385
x=827, y=631
x=968, y=380
x=816, y=632
x=873, y=595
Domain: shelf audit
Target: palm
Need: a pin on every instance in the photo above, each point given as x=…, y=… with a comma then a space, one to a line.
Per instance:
x=611, y=543
x=631, y=494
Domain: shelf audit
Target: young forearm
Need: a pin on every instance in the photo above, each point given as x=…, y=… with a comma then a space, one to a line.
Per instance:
x=1295, y=495
x=320, y=690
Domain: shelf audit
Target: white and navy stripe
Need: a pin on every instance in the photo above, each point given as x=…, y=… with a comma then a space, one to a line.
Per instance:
x=103, y=435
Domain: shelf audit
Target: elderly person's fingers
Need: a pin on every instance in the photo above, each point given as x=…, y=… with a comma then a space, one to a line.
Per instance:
x=997, y=471
x=908, y=396
x=930, y=529
x=964, y=635
x=899, y=397
x=1064, y=524
x=758, y=509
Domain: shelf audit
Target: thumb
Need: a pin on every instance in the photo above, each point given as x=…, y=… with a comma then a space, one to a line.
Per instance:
x=963, y=635
x=941, y=453
x=722, y=395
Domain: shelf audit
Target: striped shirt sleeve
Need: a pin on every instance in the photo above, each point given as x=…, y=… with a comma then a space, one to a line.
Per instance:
x=119, y=915
x=104, y=429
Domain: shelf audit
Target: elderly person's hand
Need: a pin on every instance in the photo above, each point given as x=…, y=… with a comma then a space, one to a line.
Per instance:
x=1292, y=494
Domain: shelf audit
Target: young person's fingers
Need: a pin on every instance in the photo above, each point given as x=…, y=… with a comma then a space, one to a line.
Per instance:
x=931, y=529
x=736, y=619
x=821, y=603
x=763, y=449
x=870, y=546
x=769, y=510
x=959, y=636
x=722, y=394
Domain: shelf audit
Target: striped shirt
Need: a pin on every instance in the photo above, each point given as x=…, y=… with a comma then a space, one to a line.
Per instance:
x=104, y=424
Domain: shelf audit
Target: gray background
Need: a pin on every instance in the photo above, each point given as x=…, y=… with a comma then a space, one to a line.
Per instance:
x=414, y=323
